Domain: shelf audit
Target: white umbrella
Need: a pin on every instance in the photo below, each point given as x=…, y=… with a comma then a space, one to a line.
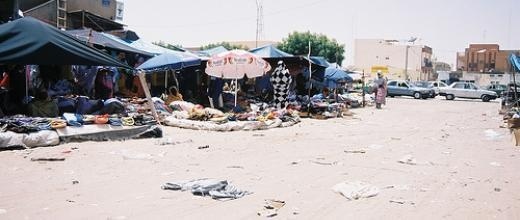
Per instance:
x=236, y=64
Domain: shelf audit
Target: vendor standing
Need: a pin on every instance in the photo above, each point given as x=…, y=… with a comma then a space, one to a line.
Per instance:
x=380, y=90
x=104, y=84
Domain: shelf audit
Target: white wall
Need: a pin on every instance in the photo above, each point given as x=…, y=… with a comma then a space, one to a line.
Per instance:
x=377, y=52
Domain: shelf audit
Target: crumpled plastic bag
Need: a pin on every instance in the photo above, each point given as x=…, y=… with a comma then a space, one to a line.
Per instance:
x=356, y=190
x=41, y=139
x=217, y=189
x=11, y=139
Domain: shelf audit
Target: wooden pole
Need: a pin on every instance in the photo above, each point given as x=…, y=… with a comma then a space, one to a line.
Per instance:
x=515, y=90
x=363, y=87
x=142, y=79
x=310, y=81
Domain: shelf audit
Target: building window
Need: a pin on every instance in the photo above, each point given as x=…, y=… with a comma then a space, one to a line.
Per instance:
x=105, y=3
x=500, y=75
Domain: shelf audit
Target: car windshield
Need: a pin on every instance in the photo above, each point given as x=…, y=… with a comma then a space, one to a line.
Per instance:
x=421, y=84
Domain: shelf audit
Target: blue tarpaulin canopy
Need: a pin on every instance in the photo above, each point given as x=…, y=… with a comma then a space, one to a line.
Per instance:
x=334, y=75
x=170, y=61
x=270, y=51
x=515, y=62
x=213, y=51
x=321, y=61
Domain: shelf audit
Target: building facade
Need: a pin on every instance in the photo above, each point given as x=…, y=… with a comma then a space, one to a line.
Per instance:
x=484, y=58
x=397, y=59
x=100, y=15
x=485, y=64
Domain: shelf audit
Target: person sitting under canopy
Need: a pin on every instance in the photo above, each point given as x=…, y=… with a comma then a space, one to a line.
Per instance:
x=42, y=105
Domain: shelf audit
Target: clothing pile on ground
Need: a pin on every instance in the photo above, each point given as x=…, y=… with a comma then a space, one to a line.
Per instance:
x=76, y=112
x=255, y=117
x=216, y=189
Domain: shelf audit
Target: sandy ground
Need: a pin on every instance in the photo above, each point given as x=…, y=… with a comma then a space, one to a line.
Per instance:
x=461, y=173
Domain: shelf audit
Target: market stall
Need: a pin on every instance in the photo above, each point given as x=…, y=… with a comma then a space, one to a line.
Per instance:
x=27, y=41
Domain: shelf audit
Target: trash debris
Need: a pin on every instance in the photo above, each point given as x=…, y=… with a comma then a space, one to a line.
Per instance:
x=495, y=164
x=48, y=159
x=236, y=167
x=203, y=147
x=324, y=163
x=71, y=201
x=408, y=159
x=217, y=189
x=271, y=208
x=400, y=201
x=397, y=201
x=492, y=135
x=258, y=135
x=356, y=190
x=497, y=189
x=170, y=141
x=74, y=182
x=355, y=151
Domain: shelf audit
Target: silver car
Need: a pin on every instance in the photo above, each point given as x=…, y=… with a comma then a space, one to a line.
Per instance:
x=468, y=91
x=403, y=88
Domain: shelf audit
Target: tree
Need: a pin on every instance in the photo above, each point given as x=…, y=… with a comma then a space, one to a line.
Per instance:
x=227, y=45
x=297, y=43
x=169, y=46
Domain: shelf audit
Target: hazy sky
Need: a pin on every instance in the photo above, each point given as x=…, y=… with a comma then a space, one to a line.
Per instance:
x=447, y=26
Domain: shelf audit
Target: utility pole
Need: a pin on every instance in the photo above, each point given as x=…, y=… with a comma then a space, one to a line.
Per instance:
x=259, y=21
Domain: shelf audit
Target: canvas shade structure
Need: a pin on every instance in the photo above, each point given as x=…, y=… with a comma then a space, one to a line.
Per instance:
x=28, y=41
x=236, y=64
x=106, y=41
x=270, y=51
x=149, y=47
x=213, y=51
x=171, y=60
x=333, y=76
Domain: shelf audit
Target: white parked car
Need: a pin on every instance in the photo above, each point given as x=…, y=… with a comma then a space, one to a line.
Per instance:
x=438, y=86
x=468, y=91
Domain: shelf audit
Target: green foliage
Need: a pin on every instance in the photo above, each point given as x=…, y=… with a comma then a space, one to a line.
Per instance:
x=227, y=45
x=298, y=44
x=168, y=46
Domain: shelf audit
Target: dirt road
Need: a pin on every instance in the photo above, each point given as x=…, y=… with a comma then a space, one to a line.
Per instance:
x=465, y=167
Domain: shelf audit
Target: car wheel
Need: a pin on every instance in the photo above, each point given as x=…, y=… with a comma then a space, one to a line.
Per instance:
x=417, y=95
x=486, y=98
x=450, y=97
